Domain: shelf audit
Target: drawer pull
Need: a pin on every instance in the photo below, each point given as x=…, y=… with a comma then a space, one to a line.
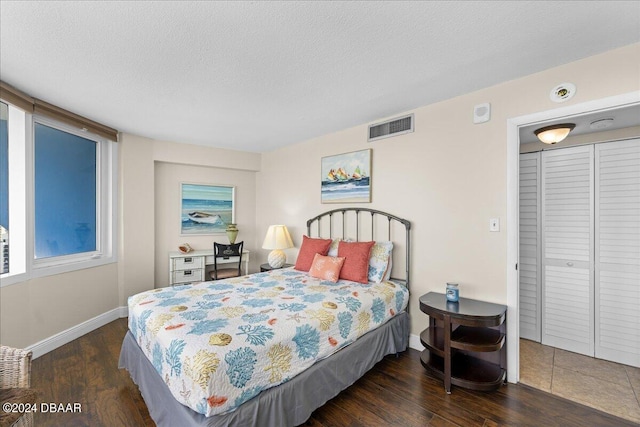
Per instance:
x=188, y=260
x=187, y=273
x=570, y=264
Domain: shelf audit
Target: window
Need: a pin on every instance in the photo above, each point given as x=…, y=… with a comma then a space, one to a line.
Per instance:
x=57, y=197
x=73, y=198
x=65, y=193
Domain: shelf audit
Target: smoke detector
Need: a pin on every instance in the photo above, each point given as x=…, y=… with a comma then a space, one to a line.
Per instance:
x=563, y=92
x=601, y=124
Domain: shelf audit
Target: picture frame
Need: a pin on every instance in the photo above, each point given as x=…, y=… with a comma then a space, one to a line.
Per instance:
x=206, y=208
x=346, y=178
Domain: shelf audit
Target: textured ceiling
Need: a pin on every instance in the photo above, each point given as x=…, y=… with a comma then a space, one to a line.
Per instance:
x=255, y=76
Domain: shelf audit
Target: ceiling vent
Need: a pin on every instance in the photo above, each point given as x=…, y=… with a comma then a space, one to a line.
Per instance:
x=394, y=127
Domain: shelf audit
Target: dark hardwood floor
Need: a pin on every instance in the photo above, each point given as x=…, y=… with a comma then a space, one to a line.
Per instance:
x=396, y=392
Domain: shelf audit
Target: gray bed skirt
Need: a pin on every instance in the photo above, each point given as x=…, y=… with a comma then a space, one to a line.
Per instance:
x=290, y=403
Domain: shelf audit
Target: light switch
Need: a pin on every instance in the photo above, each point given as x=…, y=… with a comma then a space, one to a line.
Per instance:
x=494, y=224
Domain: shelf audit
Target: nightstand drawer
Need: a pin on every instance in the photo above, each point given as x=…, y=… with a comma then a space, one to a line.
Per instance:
x=183, y=276
x=187, y=263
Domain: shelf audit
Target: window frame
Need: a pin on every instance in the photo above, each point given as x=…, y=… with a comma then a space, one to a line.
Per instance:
x=18, y=194
x=106, y=206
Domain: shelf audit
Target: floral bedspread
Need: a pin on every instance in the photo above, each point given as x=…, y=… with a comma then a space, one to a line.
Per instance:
x=218, y=344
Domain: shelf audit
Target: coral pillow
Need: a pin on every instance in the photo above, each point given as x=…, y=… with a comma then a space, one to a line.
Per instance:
x=333, y=248
x=356, y=264
x=326, y=267
x=309, y=248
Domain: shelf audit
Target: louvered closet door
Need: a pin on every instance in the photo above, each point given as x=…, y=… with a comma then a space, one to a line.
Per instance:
x=618, y=252
x=529, y=263
x=567, y=248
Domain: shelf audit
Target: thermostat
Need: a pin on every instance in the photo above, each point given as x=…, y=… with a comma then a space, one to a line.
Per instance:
x=482, y=113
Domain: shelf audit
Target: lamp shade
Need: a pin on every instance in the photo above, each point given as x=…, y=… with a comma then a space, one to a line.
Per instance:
x=277, y=238
x=555, y=133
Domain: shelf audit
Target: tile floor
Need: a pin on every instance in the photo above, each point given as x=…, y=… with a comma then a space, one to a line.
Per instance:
x=607, y=386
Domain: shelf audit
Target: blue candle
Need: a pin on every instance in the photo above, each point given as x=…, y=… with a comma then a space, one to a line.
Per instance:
x=452, y=292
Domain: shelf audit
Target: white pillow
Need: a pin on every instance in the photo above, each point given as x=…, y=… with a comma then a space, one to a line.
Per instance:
x=387, y=274
x=380, y=261
x=333, y=248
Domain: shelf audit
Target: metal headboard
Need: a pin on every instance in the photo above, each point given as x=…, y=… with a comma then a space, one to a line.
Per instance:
x=374, y=214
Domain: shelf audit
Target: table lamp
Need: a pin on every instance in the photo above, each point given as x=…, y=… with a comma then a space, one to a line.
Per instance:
x=277, y=238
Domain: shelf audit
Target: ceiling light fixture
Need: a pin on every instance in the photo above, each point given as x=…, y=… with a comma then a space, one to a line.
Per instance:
x=554, y=133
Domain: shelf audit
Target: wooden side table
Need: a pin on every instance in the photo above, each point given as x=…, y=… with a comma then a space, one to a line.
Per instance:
x=267, y=267
x=465, y=342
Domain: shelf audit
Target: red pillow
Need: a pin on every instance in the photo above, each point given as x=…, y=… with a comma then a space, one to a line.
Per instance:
x=326, y=267
x=356, y=263
x=309, y=248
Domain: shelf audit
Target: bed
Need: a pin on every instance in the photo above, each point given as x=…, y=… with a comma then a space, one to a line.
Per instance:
x=269, y=348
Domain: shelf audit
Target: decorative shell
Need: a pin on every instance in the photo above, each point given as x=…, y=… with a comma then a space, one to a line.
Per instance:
x=185, y=248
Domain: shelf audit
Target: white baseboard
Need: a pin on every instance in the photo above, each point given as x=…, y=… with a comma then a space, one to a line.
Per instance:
x=124, y=311
x=64, y=337
x=414, y=342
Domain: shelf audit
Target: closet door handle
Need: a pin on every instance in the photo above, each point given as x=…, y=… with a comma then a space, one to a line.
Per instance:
x=570, y=264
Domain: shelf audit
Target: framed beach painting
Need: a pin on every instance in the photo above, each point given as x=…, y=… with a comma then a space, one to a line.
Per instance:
x=206, y=209
x=346, y=178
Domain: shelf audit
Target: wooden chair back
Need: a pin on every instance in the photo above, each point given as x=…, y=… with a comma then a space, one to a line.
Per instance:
x=226, y=251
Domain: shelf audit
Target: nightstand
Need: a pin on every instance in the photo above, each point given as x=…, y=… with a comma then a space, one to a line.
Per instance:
x=267, y=267
x=465, y=342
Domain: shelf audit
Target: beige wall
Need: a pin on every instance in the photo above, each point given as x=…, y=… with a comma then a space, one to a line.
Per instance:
x=137, y=236
x=37, y=309
x=448, y=177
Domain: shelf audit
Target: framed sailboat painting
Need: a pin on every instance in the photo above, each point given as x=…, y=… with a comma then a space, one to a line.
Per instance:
x=206, y=209
x=346, y=178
